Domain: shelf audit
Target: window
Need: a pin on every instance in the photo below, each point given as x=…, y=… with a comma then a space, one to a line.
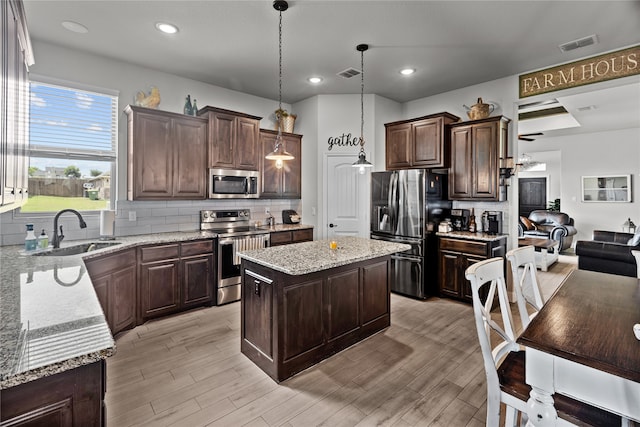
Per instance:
x=72, y=148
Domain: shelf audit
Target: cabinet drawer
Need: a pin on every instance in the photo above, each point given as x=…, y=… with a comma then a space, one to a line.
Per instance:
x=108, y=263
x=280, y=238
x=302, y=235
x=466, y=246
x=159, y=252
x=196, y=248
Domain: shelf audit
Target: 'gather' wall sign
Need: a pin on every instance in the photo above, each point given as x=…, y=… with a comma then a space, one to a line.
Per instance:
x=608, y=66
x=345, y=140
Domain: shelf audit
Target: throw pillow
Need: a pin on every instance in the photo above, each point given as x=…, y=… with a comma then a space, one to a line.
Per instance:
x=527, y=223
x=635, y=240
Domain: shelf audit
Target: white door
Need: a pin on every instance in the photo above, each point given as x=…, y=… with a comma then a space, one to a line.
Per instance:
x=346, y=198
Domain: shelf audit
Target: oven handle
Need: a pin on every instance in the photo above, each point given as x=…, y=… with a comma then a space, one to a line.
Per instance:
x=230, y=240
x=407, y=258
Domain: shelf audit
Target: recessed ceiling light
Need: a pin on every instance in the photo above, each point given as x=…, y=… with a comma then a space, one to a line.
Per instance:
x=166, y=28
x=407, y=71
x=314, y=80
x=75, y=27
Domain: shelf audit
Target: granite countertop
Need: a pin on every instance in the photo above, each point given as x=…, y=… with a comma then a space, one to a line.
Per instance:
x=308, y=257
x=467, y=235
x=285, y=227
x=51, y=319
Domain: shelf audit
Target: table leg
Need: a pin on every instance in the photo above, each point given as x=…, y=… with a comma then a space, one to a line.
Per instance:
x=540, y=409
x=539, y=375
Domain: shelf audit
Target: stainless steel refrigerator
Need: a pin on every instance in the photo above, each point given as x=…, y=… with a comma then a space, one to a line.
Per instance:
x=406, y=207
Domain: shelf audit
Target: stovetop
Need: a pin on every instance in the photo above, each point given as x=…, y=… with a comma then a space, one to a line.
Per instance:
x=228, y=223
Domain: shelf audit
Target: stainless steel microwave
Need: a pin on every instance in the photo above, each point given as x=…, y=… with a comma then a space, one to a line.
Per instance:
x=233, y=184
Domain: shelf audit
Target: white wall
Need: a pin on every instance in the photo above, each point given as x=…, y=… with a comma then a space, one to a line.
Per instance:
x=605, y=153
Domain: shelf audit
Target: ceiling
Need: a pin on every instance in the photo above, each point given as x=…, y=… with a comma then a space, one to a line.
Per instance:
x=234, y=43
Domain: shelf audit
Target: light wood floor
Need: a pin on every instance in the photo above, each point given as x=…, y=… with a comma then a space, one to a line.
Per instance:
x=424, y=370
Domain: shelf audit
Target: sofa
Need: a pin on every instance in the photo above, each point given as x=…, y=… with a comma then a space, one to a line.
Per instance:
x=545, y=224
x=609, y=252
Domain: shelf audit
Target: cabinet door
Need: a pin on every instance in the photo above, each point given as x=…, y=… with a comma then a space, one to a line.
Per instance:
x=465, y=285
x=305, y=235
x=343, y=303
x=375, y=292
x=460, y=184
x=485, y=158
x=102, y=285
x=302, y=318
x=449, y=285
x=197, y=280
x=151, y=151
x=292, y=170
x=247, y=145
x=190, y=168
x=222, y=136
x=398, y=146
x=280, y=238
x=271, y=179
x=122, y=300
x=159, y=289
x=257, y=303
x=428, y=143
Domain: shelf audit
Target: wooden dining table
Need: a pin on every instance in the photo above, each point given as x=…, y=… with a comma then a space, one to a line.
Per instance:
x=582, y=344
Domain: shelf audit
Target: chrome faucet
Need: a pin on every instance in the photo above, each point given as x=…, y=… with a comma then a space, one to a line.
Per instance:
x=57, y=238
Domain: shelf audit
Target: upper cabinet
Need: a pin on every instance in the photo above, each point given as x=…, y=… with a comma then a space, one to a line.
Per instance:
x=234, y=139
x=475, y=156
x=419, y=143
x=14, y=105
x=284, y=182
x=167, y=155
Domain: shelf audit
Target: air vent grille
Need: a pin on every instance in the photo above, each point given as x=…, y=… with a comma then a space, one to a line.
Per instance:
x=575, y=44
x=349, y=72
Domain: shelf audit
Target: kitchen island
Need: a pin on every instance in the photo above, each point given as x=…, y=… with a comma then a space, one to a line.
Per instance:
x=304, y=302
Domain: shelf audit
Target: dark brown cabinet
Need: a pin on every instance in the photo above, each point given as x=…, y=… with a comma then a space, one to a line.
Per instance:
x=418, y=143
x=284, y=182
x=234, y=139
x=456, y=255
x=289, y=323
x=14, y=108
x=167, y=155
x=67, y=399
x=475, y=155
x=174, y=277
x=114, y=280
x=278, y=238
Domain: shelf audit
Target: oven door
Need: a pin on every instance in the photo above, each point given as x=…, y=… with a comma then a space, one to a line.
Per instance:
x=229, y=264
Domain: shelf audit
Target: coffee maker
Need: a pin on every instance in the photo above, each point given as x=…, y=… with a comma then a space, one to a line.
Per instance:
x=492, y=222
x=460, y=219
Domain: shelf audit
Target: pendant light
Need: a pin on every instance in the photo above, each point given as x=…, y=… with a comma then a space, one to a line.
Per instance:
x=279, y=153
x=362, y=164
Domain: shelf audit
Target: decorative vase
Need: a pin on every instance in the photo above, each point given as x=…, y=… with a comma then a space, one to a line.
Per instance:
x=287, y=123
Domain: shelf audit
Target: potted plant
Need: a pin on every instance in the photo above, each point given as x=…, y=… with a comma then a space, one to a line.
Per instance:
x=284, y=120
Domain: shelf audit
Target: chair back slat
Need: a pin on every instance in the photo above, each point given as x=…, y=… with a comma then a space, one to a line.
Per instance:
x=525, y=281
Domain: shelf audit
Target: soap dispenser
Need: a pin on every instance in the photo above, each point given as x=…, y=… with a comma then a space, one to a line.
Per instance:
x=30, y=241
x=43, y=240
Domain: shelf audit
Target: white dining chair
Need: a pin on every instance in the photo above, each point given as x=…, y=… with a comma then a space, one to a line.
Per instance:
x=637, y=255
x=525, y=282
x=489, y=275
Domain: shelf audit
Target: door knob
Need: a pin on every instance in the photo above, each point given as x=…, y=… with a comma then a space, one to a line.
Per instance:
x=331, y=225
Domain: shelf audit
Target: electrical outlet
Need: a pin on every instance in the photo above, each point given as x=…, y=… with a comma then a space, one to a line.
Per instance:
x=266, y=211
x=132, y=216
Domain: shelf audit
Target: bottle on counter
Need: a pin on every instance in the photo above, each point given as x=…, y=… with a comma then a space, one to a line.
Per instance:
x=472, y=222
x=30, y=242
x=188, y=108
x=43, y=240
x=195, y=108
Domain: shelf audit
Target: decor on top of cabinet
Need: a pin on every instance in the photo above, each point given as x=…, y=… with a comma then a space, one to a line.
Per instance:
x=188, y=108
x=284, y=121
x=480, y=110
x=152, y=100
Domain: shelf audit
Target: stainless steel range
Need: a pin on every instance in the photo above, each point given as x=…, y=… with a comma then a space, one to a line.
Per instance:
x=234, y=234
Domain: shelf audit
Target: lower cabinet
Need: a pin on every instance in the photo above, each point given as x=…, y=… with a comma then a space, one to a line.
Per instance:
x=175, y=276
x=114, y=280
x=289, y=323
x=70, y=398
x=278, y=238
x=456, y=255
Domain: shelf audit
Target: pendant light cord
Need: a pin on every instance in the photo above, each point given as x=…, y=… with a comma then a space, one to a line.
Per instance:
x=280, y=63
x=362, y=101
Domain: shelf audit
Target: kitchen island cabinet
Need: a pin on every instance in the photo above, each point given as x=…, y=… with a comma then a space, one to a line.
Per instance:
x=304, y=302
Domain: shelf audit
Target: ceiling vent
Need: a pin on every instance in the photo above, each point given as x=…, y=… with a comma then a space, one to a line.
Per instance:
x=349, y=72
x=585, y=41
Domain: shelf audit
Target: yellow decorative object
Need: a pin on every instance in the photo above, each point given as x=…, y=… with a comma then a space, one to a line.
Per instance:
x=285, y=121
x=152, y=100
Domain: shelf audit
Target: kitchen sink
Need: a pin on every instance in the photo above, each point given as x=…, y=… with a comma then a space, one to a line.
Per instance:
x=76, y=249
